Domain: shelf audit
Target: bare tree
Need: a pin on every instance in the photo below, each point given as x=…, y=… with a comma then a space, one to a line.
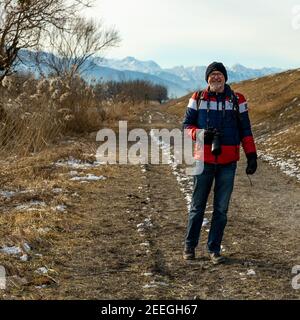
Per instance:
x=23, y=21
x=72, y=47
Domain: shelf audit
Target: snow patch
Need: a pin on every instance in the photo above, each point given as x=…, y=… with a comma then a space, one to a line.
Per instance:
x=43, y=230
x=205, y=222
x=155, y=284
x=11, y=250
x=76, y=163
x=7, y=194
x=145, y=244
x=26, y=247
x=251, y=272
x=148, y=274
x=289, y=167
x=60, y=207
x=31, y=205
x=146, y=224
x=42, y=270
x=88, y=177
x=24, y=257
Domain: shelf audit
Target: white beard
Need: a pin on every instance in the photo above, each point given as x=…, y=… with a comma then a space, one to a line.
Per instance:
x=216, y=86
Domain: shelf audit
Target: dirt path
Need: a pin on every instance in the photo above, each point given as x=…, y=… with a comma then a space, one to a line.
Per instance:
x=122, y=237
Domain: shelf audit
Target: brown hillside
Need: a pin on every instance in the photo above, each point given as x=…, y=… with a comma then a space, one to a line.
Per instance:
x=274, y=103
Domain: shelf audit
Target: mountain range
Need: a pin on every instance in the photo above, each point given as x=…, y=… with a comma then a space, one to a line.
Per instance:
x=179, y=80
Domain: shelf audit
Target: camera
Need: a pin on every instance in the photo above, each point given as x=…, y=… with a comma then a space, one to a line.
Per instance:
x=212, y=136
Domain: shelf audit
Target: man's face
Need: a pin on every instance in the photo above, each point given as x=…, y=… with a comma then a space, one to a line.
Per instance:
x=216, y=81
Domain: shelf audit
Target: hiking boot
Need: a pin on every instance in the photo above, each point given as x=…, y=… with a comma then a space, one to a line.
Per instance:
x=189, y=253
x=216, y=258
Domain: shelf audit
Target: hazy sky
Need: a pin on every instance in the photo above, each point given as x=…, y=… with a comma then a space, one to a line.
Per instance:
x=254, y=33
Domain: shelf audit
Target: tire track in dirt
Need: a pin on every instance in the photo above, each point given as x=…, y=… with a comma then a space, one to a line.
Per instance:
x=162, y=237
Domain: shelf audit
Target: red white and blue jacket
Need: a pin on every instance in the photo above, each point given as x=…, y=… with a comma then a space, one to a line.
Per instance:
x=222, y=116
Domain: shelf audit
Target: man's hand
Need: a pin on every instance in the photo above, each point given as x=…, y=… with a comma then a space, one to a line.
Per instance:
x=251, y=163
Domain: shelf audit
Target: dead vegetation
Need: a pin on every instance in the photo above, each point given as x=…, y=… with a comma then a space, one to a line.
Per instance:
x=37, y=201
x=37, y=113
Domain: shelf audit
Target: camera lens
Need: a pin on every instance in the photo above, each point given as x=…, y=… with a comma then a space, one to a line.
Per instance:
x=216, y=145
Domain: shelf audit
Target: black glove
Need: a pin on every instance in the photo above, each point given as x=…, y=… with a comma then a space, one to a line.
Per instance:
x=251, y=163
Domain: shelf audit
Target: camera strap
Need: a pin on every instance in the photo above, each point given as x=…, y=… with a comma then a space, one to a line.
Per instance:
x=207, y=110
x=223, y=108
x=233, y=100
x=199, y=98
x=198, y=101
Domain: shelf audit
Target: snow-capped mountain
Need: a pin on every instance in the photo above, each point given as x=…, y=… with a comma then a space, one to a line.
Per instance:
x=129, y=63
x=188, y=78
x=179, y=80
x=239, y=72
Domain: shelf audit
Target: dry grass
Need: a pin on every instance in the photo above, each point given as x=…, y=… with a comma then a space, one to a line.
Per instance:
x=116, y=111
x=36, y=179
x=36, y=114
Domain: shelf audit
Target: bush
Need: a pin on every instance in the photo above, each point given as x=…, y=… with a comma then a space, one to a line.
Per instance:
x=35, y=112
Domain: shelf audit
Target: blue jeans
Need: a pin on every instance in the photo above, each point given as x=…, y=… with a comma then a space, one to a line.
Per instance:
x=224, y=181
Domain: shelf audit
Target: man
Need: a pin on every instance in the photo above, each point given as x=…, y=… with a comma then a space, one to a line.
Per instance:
x=223, y=115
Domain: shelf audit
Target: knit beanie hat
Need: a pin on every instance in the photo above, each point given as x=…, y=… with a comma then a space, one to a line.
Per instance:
x=216, y=66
